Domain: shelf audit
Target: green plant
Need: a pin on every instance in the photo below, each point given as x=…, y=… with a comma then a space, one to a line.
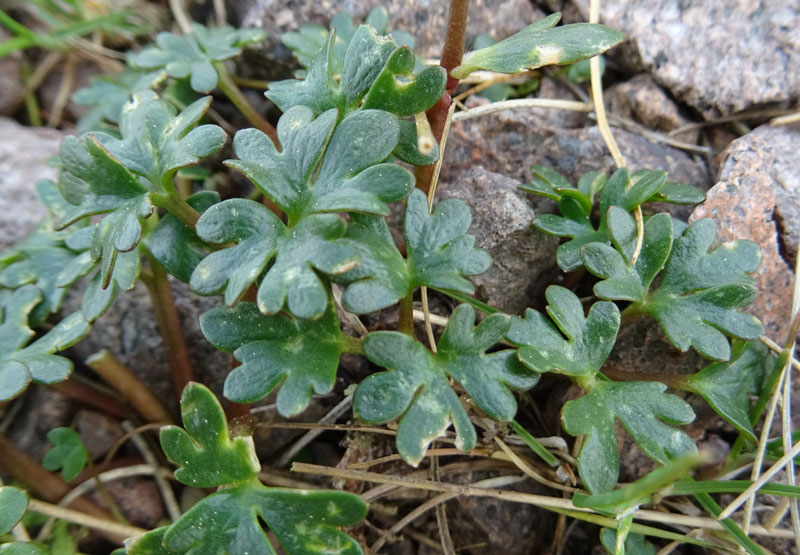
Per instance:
x=357, y=108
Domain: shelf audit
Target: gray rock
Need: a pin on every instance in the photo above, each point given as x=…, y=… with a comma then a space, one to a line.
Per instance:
x=427, y=20
x=522, y=257
x=98, y=432
x=719, y=56
x=24, y=152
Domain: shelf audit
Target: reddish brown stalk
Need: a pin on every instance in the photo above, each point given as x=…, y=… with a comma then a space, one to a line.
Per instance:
x=452, y=53
x=169, y=324
x=92, y=396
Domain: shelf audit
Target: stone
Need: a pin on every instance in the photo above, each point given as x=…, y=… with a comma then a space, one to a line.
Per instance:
x=522, y=257
x=784, y=142
x=641, y=99
x=425, y=19
x=138, y=499
x=509, y=142
x=718, y=56
x=24, y=152
x=742, y=204
x=43, y=409
x=98, y=432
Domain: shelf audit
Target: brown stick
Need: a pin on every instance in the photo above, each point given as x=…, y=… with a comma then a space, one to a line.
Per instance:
x=42, y=483
x=118, y=376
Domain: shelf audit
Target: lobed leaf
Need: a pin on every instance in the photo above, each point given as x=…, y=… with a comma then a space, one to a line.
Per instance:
x=699, y=298
x=230, y=520
x=373, y=68
x=439, y=249
x=19, y=362
x=192, y=55
x=68, y=453
x=415, y=385
x=647, y=414
x=157, y=141
x=299, y=356
x=575, y=345
x=205, y=453
x=727, y=386
x=541, y=44
x=322, y=169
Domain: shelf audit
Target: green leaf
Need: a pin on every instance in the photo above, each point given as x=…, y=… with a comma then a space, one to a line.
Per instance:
x=230, y=520
x=157, y=141
x=67, y=454
x=20, y=363
x=412, y=94
x=407, y=148
x=635, y=544
x=299, y=356
x=175, y=245
x=23, y=548
x=13, y=504
x=439, y=249
x=322, y=170
x=575, y=345
x=96, y=183
x=299, y=253
x=373, y=68
x=700, y=295
x=382, y=277
x=206, y=455
x=541, y=44
x=415, y=385
x=726, y=386
x=192, y=55
x=107, y=94
x=647, y=414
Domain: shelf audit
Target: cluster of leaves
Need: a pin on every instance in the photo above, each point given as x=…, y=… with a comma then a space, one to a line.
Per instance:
x=229, y=521
x=330, y=174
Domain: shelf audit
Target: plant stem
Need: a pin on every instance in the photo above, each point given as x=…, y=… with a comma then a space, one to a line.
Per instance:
x=92, y=396
x=31, y=104
x=235, y=95
x=452, y=53
x=118, y=376
x=406, y=323
x=352, y=345
x=176, y=206
x=169, y=324
x=108, y=527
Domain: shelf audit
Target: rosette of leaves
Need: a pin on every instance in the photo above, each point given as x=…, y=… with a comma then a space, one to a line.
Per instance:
x=193, y=55
x=125, y=178
x=415, y=387
x=230, y=520
x=106, y=95
x=375, y=73
x=700, y=294
x=21, y=362
x=324, y=168
x=311, y=38
x=576, y=345
x=576, y=204
x=299, y=356
x=439, y=252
